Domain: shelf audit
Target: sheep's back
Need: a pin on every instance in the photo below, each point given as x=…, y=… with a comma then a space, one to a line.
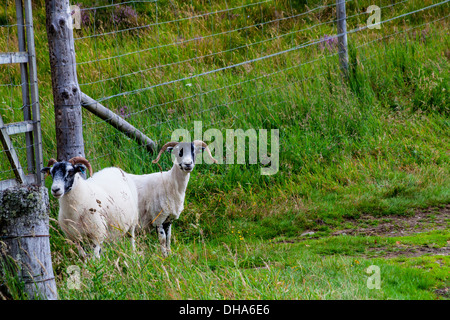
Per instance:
x=155, y=195
x=118, y=199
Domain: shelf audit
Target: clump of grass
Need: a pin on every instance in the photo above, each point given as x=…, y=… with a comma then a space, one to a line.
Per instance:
x=242, y=269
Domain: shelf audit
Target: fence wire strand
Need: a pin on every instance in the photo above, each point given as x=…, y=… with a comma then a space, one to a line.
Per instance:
x=177, y=62
x=203, y=97
x=162, y=65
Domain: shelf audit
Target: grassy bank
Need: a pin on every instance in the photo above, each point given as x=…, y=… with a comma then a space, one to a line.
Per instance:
x=376, y=145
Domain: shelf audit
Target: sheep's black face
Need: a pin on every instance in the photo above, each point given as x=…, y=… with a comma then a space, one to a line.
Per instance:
x=63, y=174
x=185, y=154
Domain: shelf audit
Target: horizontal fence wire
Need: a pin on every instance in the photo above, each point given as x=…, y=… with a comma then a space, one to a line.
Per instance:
x=283, y=85
x=206, y=36
x=196, y=87
x=163, y=65
x=310, y=43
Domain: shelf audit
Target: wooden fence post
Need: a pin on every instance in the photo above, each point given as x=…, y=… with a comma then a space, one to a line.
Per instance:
x=66, y=91
x=25, y=256
x=342, y=36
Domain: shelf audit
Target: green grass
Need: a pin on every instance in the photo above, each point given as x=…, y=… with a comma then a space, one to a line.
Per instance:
x=254, y=269
x=376, y=145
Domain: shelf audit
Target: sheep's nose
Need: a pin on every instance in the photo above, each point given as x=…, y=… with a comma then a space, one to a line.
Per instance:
x=55, y=190
x=188, y=166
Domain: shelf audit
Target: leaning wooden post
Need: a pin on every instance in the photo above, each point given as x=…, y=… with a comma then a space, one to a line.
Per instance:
x=25, y=256
x=117, y=122
x=342, y=36
x=66, y=91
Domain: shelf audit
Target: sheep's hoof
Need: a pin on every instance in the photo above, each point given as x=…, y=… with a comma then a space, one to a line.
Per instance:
x=165, y=253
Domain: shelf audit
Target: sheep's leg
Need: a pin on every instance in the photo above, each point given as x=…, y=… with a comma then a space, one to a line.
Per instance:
x=162, y=239
x=168, y=229
x=97, y=250
x=133, y=241
x=81, y=251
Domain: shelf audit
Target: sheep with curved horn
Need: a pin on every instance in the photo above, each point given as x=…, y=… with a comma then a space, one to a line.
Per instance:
x=161, y=194
x=93, y=210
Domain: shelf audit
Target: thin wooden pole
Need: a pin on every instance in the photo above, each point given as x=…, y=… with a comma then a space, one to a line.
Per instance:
x=34, y=92
x=117, y=122
x=342, y=38
x=25, y=85
x=66, y=91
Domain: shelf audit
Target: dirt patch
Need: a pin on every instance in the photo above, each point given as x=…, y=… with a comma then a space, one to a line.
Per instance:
x=445, y=292
x=410, y=251
x=393, y=226
x=422, y=220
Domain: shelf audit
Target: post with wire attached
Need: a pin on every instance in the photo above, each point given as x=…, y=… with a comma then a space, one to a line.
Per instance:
x=26, y=270
x=66, y=91
x=342, y=36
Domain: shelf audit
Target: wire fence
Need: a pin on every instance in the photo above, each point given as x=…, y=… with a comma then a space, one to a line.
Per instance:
x=162, y=65
x=11, y=86
x=211, y=61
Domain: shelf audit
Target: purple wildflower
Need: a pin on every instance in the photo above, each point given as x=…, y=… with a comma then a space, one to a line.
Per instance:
x=124, y=14
x=329, y=42
x=123, y=112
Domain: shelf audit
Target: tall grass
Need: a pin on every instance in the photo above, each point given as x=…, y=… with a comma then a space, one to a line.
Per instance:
x=377, y=144
x=242, y=269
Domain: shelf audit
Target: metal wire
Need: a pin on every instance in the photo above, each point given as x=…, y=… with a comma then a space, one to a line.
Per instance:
x=265, y=41
x=211, y=35
x=271, y=74
x=296, y=48
x=225, y=87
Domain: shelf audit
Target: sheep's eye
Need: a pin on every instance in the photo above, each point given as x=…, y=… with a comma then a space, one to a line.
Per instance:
x=181, y=153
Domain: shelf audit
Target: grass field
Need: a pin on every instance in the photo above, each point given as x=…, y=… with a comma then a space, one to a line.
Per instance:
x=360, y=160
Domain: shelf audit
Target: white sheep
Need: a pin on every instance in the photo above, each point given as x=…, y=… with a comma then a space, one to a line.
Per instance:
x=97, y=209
x=161, y=194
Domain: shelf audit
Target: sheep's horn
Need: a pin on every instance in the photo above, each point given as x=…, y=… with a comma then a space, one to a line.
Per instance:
x=51, y=162
x=164, y=147
x=82, y=160
x=200, y=143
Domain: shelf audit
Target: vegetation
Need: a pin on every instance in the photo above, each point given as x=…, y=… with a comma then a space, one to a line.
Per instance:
x=353, y=152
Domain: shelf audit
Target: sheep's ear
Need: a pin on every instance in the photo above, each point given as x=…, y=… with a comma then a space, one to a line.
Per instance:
x=80, y=168
x=169, y=149
x=46, y=170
